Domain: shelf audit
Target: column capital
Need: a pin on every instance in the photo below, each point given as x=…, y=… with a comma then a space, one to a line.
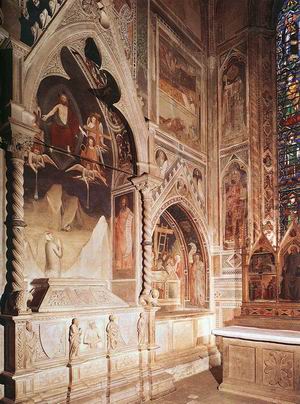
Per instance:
x=20, y=49
x=19, y=146
x=21, y=131
x=146, y=183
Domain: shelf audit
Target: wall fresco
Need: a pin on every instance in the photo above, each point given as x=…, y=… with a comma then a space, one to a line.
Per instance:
x=178, y=97
x=290, y=274
x=190, y=13
x=123, y=237
x=68, y=175
x=262, y=276
x=178, y=264
x=233, y=124
x=235, y=211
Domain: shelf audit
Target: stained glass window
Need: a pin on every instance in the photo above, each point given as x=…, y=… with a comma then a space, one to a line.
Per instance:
x=288, y=99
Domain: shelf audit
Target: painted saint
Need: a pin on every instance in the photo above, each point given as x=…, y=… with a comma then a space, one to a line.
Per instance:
x=64, y=124
x=198, y=180
x=235, y=206
x=290, y=284
x=197, y=281
x=233, y=99
x=162, y=162
x=124, y=236
x=181, y=187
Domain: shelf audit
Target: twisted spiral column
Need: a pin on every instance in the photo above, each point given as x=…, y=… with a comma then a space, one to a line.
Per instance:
x=147, y=241
x=145, y=184
x=16, y=300
x=17, y=224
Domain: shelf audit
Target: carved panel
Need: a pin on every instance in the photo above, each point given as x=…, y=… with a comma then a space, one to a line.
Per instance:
x=53, y=339
x=183, y=337
x=278, y=369
x=242, y=363
x=51, y=377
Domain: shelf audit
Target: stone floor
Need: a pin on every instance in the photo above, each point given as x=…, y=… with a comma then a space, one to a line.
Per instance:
x=203, y=389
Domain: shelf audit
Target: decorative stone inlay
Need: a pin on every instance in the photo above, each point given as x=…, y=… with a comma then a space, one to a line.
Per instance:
x=278, y=369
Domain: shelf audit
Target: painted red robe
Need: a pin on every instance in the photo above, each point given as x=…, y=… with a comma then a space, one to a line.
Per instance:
x=63, y=135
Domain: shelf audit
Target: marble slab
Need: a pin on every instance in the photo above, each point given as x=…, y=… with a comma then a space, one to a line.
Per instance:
x=259, y=334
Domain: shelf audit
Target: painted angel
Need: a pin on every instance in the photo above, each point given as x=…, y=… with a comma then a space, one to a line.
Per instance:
x=88, y=174
x=36, y=161
x=94, y=129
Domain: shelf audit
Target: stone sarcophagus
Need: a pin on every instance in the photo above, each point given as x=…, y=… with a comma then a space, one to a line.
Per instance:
x=84, y=342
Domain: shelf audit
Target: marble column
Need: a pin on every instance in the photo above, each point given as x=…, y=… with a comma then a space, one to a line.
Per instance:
x=146, y=184
x=16, y=295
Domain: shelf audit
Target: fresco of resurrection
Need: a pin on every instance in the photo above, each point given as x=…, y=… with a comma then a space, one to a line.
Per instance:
x=68, y=178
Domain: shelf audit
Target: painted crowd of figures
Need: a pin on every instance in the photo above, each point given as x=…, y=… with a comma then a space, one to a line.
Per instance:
x=64, y=129
x=177, y=275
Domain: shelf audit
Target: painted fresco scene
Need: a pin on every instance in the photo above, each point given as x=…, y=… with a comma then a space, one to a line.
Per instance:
x=178, y=264
x=233, y=102
x=178, y=99
x=123, y=237
x=235, y=206
x=290, y=274
x=262, y=276
x=68, y=175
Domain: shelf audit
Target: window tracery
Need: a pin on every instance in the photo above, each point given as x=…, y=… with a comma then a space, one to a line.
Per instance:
x=288, y=100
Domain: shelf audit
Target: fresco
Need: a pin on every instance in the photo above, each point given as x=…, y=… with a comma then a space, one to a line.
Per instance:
x=195, y=285
x=123, y=237
x=68, y=175
x=262, y=276
x=229, y=22
x=190, y=13
x=235, y=206
x=35, y=17
x=199, y=181
x=233, y=102
x=178, y=99
x=178, y=264
x=290, y=276
x=162, y=162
